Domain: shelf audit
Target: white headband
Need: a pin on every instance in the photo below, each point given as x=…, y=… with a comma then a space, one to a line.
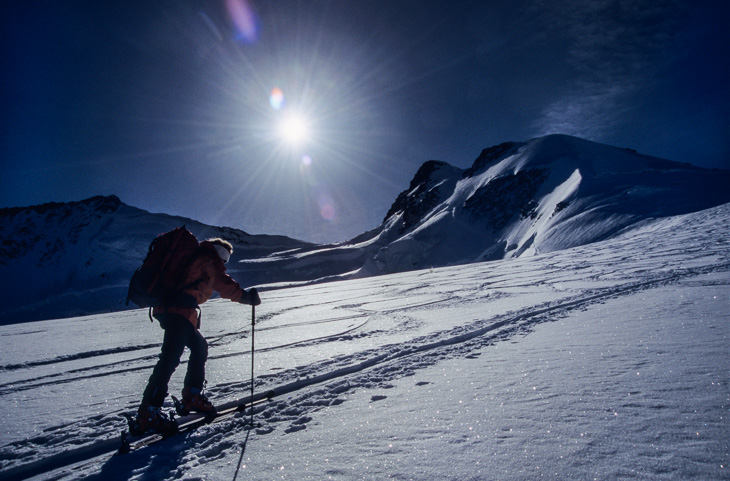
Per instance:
x=222, y=253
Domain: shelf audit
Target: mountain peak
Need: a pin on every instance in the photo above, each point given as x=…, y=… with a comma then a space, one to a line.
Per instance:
x=549, y=193
x=491, y=155
x=433, y=180
x=76, y=257
x=102, y=203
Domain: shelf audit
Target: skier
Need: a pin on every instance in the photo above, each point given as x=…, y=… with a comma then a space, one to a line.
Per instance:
x=205, y=274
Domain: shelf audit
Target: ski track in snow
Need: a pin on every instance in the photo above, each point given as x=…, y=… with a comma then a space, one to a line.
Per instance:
x=316, y=345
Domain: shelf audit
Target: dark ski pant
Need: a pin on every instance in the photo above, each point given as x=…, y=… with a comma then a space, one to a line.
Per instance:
x=179, y=334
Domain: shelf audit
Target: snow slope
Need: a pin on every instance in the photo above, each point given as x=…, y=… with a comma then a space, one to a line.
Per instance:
x=65, y=259
x=547, y=194
x=604, y=361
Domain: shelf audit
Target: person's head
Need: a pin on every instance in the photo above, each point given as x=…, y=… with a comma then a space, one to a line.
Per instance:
x=223, y=247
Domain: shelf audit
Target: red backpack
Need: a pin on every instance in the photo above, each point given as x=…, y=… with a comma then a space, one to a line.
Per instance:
x=158, y=281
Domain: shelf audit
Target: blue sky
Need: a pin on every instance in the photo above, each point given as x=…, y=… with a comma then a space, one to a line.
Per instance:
x=169, y=104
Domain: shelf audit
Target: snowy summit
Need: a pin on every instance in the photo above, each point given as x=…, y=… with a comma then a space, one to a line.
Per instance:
x=544, y=195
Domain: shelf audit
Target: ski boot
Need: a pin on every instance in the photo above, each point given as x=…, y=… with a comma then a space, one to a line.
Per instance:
x=193, y=400
x=151, y=419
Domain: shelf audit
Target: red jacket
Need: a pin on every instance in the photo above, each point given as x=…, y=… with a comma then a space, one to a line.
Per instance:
x=206, y=274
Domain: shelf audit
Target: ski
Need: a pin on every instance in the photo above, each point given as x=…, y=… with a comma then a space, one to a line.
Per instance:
x=188, y=423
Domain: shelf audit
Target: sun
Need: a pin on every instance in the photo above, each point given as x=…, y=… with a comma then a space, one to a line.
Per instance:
x=293, y=128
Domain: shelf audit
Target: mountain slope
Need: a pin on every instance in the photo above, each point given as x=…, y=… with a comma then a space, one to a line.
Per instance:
x=65, y=259
x=544, y=195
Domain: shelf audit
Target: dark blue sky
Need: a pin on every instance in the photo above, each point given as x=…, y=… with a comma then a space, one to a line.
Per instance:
x=168, y=104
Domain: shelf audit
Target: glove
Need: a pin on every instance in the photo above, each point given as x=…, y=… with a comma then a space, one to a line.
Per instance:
x=255, y=299
x=251, y=297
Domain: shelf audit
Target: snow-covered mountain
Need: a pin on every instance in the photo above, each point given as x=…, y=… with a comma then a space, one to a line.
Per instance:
x=548, y=194
x=64, y=259
x=517, y=199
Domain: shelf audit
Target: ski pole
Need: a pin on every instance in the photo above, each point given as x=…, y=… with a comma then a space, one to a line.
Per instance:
x=245, y=442
x=253, y=329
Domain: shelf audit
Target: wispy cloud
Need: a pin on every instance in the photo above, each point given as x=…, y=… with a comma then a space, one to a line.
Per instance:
x=588, y=112
x=616, y=49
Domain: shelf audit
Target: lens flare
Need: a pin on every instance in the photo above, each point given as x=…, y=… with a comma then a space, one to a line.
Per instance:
x=276, y=98
x=326, y=207
x=245, y=20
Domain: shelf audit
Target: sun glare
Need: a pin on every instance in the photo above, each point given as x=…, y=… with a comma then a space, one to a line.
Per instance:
x=293, y=129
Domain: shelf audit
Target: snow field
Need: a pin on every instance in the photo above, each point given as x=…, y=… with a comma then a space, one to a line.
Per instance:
x=612, y=392
x=608, y=361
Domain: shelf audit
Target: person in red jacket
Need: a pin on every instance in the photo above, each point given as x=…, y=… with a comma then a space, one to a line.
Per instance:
x=205, y=275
